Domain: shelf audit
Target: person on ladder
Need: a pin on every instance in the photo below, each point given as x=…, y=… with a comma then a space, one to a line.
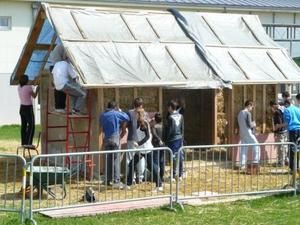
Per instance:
x=65, y=79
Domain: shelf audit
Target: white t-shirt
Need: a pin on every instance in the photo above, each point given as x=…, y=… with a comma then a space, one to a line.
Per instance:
x=61, y=72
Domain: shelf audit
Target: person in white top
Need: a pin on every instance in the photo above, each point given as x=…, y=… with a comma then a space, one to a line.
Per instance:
x=65, y=79
x=144, y=141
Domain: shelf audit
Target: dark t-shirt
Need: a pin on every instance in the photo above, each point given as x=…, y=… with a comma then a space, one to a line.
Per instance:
x=278, y=119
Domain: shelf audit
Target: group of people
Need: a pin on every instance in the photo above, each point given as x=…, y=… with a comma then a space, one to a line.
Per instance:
x=286, y=127
x=143, y=133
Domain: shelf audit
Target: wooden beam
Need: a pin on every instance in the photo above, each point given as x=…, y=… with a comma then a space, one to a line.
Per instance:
x=215, y=117
x=117, y=95
x=160, y=101
x=277, y=88
x=264, y=109
x=135, y=93
x=30, y=46
x=254, y=99
x=43, y=47
x=101, y=109
x=232, y=116
x=244, y=93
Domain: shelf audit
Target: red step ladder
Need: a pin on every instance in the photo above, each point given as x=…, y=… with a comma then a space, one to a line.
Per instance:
x=71, y=134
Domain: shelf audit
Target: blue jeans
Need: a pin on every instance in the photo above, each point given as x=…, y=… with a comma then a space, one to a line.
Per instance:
x=77, y=93
x=175, y=146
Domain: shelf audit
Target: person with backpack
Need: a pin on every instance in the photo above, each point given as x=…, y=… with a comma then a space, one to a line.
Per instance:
x=173, y=136
x=280, y=133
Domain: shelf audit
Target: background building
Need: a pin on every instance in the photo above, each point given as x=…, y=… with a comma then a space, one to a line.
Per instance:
x=280, y=17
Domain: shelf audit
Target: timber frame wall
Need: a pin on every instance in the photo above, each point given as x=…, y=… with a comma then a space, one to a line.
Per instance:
x=211, y=115
x=227, y=126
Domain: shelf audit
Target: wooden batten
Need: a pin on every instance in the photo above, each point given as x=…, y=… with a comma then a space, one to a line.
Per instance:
x=117, y=95
x=230, y=115
x=253, y=98
x=215, y=118
x=264, y=109
x=43, y=95
x=31, y=44
x=160, y=101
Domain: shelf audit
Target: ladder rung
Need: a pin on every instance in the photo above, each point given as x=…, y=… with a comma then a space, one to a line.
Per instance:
x=78, y=132
x=57, y=140
x=72, y=116
x=56, y=126
x=76, y=147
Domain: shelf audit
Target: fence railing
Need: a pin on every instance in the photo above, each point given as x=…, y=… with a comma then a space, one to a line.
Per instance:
x=12, y=184
x=61, y=181
x=71, y=180
x=231, y=170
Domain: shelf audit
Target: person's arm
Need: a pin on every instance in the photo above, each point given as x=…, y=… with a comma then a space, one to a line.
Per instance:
x=36, y=92
x=182, y=126
x=124, y=119
x=155, y=135
x=71, y=72
x=123, y=129
x=147, y=135
x=287, y=116
x=168, y=129
x=249, y=121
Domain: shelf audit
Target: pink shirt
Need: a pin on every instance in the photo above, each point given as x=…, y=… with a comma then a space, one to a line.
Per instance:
x=25, y=94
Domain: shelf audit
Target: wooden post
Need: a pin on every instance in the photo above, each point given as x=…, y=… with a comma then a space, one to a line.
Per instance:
x=43, y=95
x=135, y=94
x=101, y=109
x=254, y=99
x=245, y=93
x=214, y=122
x=160, y=100
x=232, y=116
x=117, y=95
x=276, y=92
x=264, y=109
x=100, y=163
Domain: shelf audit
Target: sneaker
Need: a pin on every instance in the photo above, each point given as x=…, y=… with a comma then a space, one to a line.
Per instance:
x=158, y=189
x=60, y=111
x=118, y=185
x=76, y=112
x=126, y=187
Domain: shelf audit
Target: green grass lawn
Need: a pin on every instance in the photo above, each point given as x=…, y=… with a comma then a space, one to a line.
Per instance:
x=275, y=210
x=10, y=137
x=12, y=132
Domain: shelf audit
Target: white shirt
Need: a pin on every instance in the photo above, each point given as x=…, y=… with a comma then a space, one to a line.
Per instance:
x=61, y=72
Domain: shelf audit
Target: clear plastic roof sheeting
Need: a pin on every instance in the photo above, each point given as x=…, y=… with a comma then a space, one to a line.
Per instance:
x=130, y=49
x=237, y=48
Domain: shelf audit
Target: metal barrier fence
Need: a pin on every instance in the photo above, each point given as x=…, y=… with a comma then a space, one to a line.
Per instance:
x=61, y=181
x=12, y=184
x=223, y=170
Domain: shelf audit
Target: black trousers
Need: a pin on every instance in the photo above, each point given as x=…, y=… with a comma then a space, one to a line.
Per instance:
x=27, y=124
x=60, y=99
x=293, y=137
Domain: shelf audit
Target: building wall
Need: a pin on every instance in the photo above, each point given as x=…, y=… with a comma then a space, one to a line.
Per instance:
x=11, y=45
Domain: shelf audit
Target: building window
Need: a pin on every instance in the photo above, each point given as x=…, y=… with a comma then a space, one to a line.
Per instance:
x=5, y=23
